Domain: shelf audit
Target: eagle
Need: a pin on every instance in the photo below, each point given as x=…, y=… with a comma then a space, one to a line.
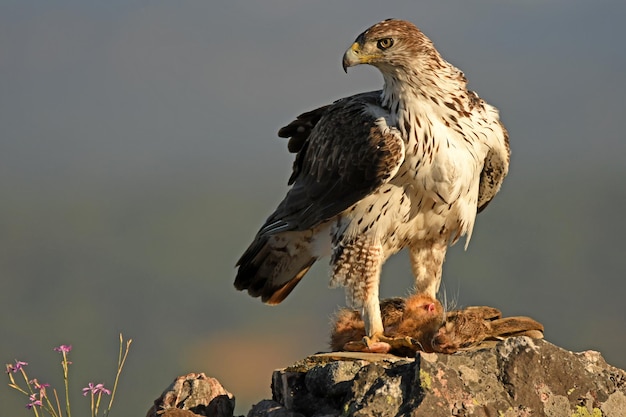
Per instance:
x=408, y=166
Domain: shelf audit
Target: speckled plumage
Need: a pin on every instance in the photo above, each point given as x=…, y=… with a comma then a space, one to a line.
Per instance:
x=406, y=166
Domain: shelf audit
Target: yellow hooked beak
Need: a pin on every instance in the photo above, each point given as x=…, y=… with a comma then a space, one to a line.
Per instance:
x=352, y=56
x=355, y=56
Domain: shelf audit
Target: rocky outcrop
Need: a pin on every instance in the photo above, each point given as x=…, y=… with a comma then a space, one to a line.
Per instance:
x=193, y=395
x=516, y=377
x=519, y=376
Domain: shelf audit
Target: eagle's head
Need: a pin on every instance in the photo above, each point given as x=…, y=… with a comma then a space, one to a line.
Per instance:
x=407, y=59
x=392, y=43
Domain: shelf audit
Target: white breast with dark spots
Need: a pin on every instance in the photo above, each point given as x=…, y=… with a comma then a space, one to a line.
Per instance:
x=432, y=196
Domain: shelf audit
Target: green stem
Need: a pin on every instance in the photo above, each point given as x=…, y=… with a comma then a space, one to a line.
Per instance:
x=26, y=380
x=67, y=385
x=18, y=388
x=30, y=390
x=35, y=411
x=121, y=359
x=98, y=403
x=56, y=397
x=49, y=406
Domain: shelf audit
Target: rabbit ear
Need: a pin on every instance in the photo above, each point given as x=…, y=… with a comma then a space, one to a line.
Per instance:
x=516, y=326
x=484, y=312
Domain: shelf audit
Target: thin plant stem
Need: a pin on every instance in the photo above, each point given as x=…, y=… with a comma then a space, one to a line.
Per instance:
x=121, y=359
x=34, y=408
x=49, y=406
x=98, y=403
x=93, y=412
x=66, y=381
x=26, y=380
x=15, y=386
x=56, y=397
x=30, y=390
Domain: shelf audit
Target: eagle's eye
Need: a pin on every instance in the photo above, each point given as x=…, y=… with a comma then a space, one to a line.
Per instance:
x=384, y=43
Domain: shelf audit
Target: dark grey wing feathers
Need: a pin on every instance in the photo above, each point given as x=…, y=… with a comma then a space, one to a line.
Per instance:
x=345, y=156
x=495, y=168
x=299, y=130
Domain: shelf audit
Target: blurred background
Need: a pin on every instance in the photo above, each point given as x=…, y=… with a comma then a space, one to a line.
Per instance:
x=138, y=157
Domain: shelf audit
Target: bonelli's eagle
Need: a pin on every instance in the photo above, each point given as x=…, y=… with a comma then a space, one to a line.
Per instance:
x=406, y=166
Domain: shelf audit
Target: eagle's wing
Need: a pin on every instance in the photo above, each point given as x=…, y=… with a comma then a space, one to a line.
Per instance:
x=345, y=151
x=348, y=152
x=495, y=167
x=300, y=129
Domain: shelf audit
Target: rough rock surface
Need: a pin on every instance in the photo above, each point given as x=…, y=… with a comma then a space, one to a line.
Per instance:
x=516, y=377
x=193, y=395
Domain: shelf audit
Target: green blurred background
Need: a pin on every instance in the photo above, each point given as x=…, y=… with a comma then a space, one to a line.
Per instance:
x=138, y=157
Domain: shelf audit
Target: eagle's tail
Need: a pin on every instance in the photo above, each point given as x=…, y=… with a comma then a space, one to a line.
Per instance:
x=270, y=268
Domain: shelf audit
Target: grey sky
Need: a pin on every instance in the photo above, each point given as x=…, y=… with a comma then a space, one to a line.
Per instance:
x=115, y=89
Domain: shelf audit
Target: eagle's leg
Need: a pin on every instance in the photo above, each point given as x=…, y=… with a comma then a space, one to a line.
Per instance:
x=427, y=262
x=356, y=265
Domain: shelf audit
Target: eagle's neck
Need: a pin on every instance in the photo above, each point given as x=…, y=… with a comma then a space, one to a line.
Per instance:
x=413, y=96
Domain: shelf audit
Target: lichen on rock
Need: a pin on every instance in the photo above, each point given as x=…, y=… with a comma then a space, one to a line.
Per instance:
x=516, y=377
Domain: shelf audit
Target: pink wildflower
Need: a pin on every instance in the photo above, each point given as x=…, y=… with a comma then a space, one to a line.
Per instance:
x=33, y=401
x=15, y=368
x=64, y=348
x=95, y=389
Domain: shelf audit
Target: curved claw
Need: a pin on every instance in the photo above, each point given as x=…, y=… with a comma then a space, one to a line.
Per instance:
x=380, y=343
x=372, y=347
x=402, y=342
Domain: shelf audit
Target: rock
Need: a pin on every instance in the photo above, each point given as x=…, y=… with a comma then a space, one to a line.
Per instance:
x=516, y=377
x=269, y=408
x=194, y=395
x=519, y=376
x=176, y=412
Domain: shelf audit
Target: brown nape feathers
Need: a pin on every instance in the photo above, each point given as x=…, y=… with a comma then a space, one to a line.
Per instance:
x=419, y=323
